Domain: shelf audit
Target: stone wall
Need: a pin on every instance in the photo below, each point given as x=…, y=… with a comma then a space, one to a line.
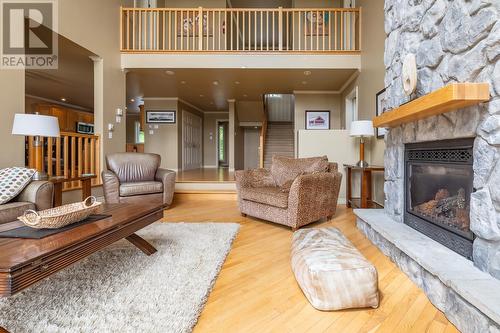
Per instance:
x=454, y=41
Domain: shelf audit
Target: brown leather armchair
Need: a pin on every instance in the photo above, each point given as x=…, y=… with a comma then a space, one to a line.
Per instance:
x=137, y=177
x=38, y=195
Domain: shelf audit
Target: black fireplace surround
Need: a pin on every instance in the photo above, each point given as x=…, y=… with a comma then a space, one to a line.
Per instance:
x=438, y=185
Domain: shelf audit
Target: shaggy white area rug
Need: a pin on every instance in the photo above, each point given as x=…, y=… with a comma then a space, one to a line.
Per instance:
x=120, y=289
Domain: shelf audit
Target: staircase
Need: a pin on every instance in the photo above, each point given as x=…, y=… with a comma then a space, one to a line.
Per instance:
x=279, y=141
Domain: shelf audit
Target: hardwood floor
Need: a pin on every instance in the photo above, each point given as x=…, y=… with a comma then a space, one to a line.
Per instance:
x=256, y=290
x=205, y=175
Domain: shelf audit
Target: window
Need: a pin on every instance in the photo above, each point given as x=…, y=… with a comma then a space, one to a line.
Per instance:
x=221, y=143
x=351, y=108
x=139, y=135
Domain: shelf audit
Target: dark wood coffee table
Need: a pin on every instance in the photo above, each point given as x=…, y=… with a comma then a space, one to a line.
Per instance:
x=24, y=262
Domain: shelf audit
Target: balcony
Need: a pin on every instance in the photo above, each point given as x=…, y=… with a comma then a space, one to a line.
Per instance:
x=236, y=30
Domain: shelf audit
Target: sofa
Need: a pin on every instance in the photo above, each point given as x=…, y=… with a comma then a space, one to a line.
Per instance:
x=37, y=195
x=136, y=178
x=293, y=192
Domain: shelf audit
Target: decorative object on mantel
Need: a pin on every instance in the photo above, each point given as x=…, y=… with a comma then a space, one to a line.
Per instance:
x=37, y=126
x=361, y=129
x=409, y=74
x=61, y=216
x=380, y=108
x=449, y=98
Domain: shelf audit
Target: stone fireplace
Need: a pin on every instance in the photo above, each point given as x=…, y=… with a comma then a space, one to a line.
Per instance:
x=427, y=198
x=438, y=187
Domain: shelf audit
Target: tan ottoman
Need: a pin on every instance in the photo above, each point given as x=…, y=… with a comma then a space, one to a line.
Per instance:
x=331, y=272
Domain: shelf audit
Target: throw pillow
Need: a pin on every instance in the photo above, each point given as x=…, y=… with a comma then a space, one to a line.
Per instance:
x=13, y=181
x=285, y=169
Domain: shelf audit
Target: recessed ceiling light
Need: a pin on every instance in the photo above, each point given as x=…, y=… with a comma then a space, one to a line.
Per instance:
x=211, y=103
x=236, y=82
x=63, y=99
x=245, y=95
x=215, y=83
x=183, y=82
x=169, y=72
x=132, y=100
x=304, y=82
x=201, y=95
x=243, y=66
x=307, y=73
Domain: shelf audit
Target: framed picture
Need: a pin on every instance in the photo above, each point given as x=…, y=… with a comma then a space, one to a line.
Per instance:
x=160, y=117
x=187, y=25
x=380, y=108
x=317, y=24
x=317, y=120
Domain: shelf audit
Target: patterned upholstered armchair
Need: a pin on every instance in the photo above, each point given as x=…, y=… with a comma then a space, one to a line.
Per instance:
x=137, y=177
x=294, y=192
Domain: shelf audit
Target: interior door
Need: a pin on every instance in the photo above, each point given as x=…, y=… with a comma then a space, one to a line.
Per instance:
x=222, y=143
x=191, y=141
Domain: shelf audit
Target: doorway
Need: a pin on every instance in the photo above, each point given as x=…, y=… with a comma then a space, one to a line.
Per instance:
x=191, y=141
x=222, y=143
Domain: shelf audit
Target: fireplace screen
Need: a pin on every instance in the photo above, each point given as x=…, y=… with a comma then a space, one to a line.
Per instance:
x=438, y=187
x=440, y=194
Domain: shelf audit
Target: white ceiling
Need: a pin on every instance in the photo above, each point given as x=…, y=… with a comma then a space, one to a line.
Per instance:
x=209, y=89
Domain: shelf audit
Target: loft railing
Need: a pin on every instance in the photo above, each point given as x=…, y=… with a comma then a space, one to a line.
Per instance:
x=70, y=155
x=313, y=30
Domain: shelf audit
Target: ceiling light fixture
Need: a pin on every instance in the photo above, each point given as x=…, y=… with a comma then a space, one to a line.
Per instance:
x=132, y=100
x=307, y=73
x=243, y=67
x=304, y=82
x=245, y=95
x=215, y=83
x=201, y=95
x=236, y=82
x=169, y=72
x=63, y=99
x=183, y=82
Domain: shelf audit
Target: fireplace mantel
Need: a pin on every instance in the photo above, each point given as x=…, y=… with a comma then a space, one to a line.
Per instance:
x=449, y=98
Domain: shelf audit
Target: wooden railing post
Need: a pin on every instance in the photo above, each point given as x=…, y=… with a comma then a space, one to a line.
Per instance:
x=200, y=29
x=280, y=28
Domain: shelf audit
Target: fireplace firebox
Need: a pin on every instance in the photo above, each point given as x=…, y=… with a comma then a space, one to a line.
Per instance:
x=438, y=185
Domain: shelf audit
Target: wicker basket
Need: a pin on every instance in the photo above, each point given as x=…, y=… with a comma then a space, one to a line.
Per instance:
x=61, y=216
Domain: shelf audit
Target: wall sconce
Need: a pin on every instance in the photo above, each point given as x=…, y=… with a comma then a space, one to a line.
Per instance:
x=111, y=129
x=119, y=115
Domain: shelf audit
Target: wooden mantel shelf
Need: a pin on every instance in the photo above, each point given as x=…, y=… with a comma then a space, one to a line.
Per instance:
x=451, y=97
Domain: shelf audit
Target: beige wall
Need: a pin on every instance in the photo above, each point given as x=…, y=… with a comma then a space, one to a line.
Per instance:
x=305, y=102
x=164, y=140
x=210, y=131
x=371, y=79
x=338, y=146
x=251, y=142
x=250, y=111
x=102, y=37
x=74, y=18
x=12, y=96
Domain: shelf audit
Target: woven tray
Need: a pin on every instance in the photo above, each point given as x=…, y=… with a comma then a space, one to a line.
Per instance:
x=61, y=216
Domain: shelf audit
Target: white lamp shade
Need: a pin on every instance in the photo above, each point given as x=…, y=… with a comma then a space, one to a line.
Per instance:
x=35, y=125
x=362, y=128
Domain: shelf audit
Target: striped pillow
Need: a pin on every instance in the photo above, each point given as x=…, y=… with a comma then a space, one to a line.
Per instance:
x=13, y=181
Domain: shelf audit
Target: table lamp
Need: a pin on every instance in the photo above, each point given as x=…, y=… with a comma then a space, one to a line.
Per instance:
x=37, y=126
x=362, y=129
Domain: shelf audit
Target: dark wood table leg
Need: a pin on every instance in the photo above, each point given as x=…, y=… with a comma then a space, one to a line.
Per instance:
x=348, y=188
x=86, y=188
x=141, y=244
x=57, y=196
x=366, y=188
